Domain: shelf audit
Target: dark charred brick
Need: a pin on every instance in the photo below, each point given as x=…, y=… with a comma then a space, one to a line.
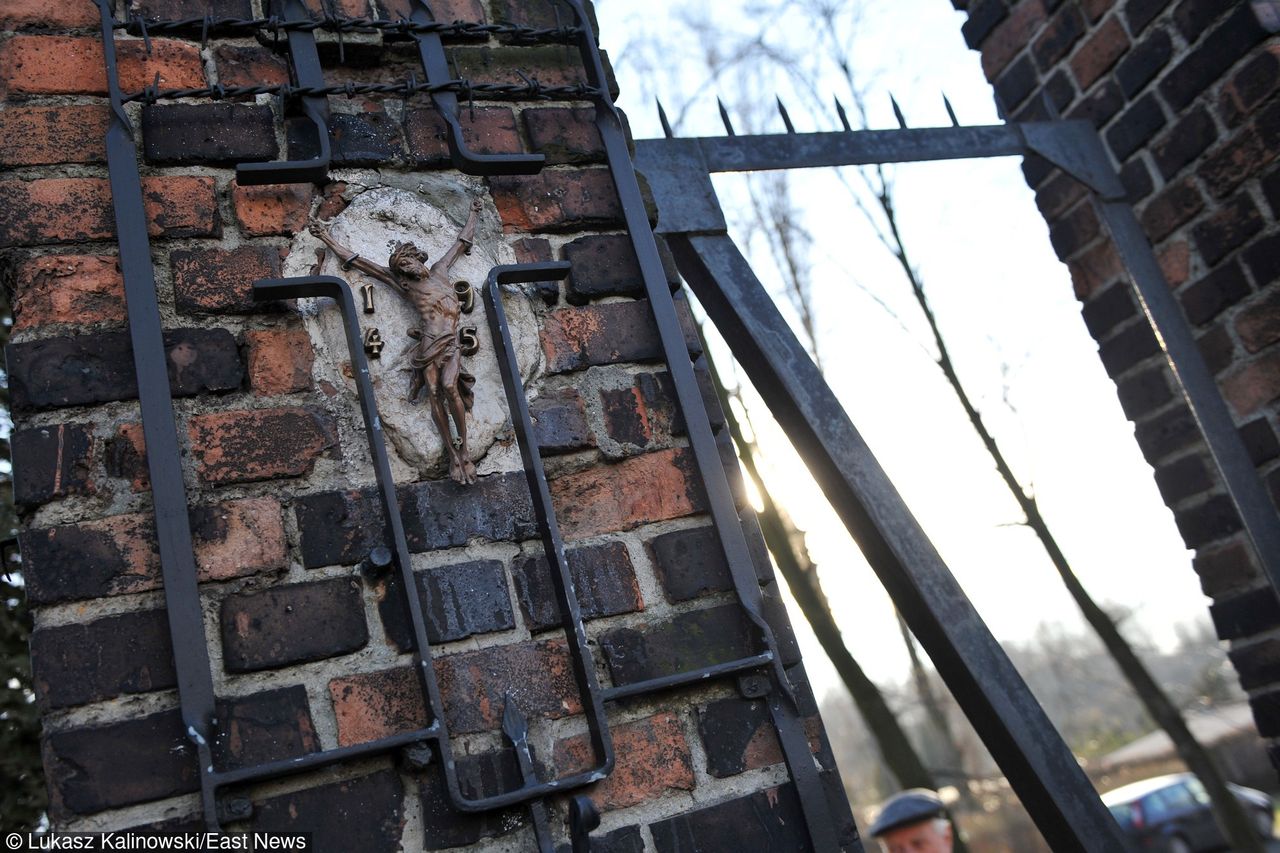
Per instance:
x=574, y=338
x=1227, y=229
x=1058, y=35
x=1058, y=194
x=1182, y=479
x=1128, y=347
x=103, y=659
x=186, y=134
x=603, y=580
x=1260, y=440
x=1246, y=614
x=480, y=775
x=1249, y=87
x=658, y=761
x=1105, y=45
x=51, y=462
x=625, y=840
x=366, y=139
x=644, y=414
x=1184, y=142
x=557, y=200
x=1143, y=392
x=98, y=368
x=1060, y=89
x=602, y=265
x=1212, y=57
x=533, y=250
x=485, y=130
x=1257, y=664
x=1166, y=433
x=147, y=758
x=738, y=735
x=240, y=65
x=342, y=527
x=1205, y=522
x=560, y=422
x=1263, y=260
x=690, y=563
x=1137, y=125
x=765, y=820
x=983, y=17
x=273, y=725
x=1143, y=62
x=217, y=281
x=1193, y=17
x=365, y=814
x=687, y=642
x=1225, y=570
x=564, y=134
x=538, y=675
x=1137, y=181
x=1073, y=232
x=292, y=624
x=650, y=487
x=1139, y=13
x=1214, y=293
x=458, y=601
x=1018, y=81
x=1099, y=105
x=1217, y=348
x=176, y=10
x=1266, y=713
x=261, y=444
x=1171, y=207
x=1108, y=309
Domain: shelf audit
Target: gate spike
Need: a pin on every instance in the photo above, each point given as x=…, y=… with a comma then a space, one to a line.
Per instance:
x=662, y=117
x=786, y=119
x=844, y=117
x=897, y=111
x=955, y=122
x=724, y=117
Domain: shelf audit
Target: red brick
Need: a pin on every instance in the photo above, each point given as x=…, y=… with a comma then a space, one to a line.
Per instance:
x=1251, y=386
x=444, y=10
x=249, y=66
x=331, y=202
x=491, y=131
x=1011, y=36
x=72, y=65
x=606, y=498
x=1175, y=262
x=39, y=136
x=1095, y=9
x=657, y=761
x=181, y=206
x=1243, y=155
x=17, y=13
x=564, y=134
x=474, y=687
x=279, y=360
x=244, y=446
x=1172, y=207
x=1259, y=324
x=80, y=289
x=1099, y=52
x=562, y=200
x=117, y=555
x=1250, y=86
x=215, y=281
x=1095, y=268
x=272, y=209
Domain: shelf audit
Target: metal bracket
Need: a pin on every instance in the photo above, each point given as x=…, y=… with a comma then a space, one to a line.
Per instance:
x=436, y=67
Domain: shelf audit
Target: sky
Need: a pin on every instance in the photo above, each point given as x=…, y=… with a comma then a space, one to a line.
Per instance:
x=1007, y=312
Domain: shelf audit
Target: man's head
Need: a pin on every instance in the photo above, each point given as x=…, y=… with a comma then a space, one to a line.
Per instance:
x=913, y=822
x=408, y=260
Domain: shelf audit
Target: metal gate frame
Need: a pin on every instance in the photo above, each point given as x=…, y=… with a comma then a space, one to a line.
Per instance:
x=1012, y=725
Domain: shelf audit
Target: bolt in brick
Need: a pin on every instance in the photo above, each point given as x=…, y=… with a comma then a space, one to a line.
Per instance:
x=79, y=289
x=457, y=601
x=187, y=134
x=292, y=624
x=109, y=657
x=98, y=368
x=51, y=462
x=262, y=444
x=657, y=761
x=603, y=580
x=573, y=200
x=217, y=281
x=686, y=642
x=653, y=487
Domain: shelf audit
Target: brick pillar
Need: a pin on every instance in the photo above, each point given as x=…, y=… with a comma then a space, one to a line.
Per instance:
x=308, y=653
x=1184, y=95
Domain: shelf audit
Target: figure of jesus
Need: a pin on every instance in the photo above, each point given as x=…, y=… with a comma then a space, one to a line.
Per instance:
x=436, y=358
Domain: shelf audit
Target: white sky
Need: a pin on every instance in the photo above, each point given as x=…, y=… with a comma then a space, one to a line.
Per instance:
x=1002, y=298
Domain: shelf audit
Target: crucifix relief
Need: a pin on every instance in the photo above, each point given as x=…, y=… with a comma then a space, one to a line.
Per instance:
x=436, y=358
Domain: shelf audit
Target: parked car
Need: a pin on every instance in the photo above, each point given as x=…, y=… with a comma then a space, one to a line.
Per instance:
x=1171, y=813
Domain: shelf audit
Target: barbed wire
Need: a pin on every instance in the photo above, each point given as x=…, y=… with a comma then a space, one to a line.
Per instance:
x=140, y=26
x=530, y=89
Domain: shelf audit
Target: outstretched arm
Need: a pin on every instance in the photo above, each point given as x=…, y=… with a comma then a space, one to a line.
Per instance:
x=349, y=259
x=464, y=242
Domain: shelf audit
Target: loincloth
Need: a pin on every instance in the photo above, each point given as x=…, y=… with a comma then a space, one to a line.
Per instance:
x=440, y=350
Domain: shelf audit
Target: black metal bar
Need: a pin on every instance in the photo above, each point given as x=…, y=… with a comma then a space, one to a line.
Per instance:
x=136, y=24
x=516, y=728
x=316, y=760
x=680, y=679
x=436, y=67
x=159, y=429
x=305, y=61
x=1013, y=726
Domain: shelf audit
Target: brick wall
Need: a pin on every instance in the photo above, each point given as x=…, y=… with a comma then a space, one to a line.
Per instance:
x=1184, y=96
x=308, y=653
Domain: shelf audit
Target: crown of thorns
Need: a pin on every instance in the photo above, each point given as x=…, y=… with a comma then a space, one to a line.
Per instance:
x=403, y=250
